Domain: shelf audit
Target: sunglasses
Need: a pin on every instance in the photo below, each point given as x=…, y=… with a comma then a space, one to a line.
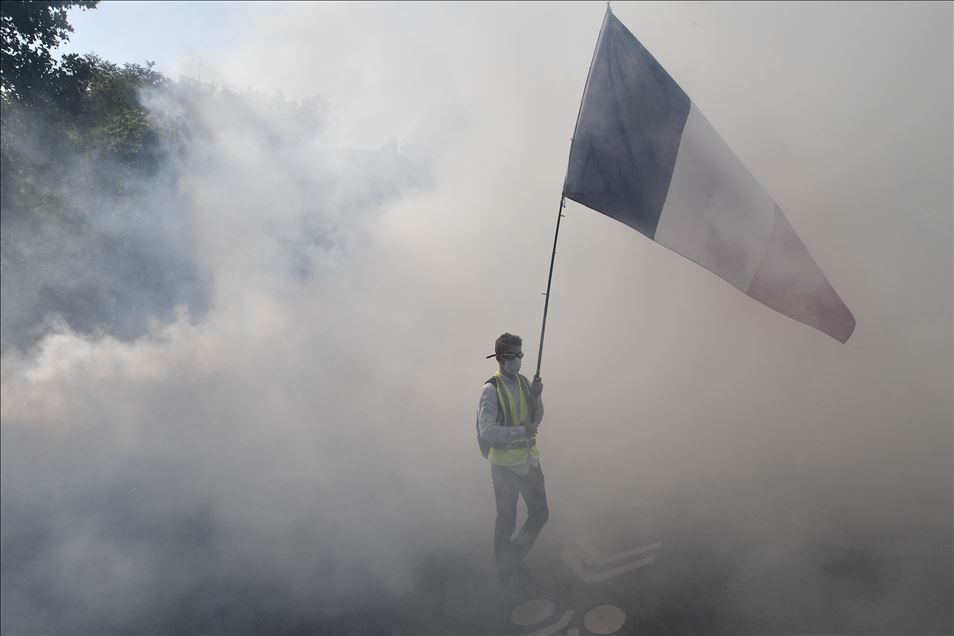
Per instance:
x=511, y=356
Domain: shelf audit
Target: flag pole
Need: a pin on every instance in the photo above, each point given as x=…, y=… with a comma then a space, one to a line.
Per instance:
x=560, y=215
x=546, y=305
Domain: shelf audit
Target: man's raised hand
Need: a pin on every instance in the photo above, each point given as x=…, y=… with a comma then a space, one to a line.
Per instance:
x=536, y=388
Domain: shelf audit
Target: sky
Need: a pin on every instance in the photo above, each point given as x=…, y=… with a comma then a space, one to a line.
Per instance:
x=171, y=34
x=322, y=423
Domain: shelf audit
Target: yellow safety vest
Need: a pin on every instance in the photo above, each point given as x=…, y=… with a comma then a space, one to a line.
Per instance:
x=513, y=412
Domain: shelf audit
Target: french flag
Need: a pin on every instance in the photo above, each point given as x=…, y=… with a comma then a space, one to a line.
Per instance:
x=644, y=155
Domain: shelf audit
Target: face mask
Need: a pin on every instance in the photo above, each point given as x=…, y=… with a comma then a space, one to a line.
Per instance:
x=511, y=367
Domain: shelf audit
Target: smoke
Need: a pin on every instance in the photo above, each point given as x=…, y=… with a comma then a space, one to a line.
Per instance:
x=243, y=451
x=91, y=213
x=286, y=442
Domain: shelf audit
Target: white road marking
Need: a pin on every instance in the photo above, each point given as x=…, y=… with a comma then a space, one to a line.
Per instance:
x=604, y=619
x=593, y=568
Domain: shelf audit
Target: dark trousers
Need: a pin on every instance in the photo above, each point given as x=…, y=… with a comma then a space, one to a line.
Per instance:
x=509, y=552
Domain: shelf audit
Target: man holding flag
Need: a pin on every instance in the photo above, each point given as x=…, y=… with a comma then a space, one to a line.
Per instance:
x=508, y=416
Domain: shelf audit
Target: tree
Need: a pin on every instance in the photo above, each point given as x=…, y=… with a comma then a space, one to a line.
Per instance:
x=30, y=31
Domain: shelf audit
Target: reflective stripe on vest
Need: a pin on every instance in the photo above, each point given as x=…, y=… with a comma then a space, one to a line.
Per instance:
x=505, y=399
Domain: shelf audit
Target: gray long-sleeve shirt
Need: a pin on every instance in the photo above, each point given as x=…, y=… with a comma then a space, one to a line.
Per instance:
x=495, y=433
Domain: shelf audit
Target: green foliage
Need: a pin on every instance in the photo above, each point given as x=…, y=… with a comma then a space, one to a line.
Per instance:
x=85, y=115
x=91, y=229
x=109, y=117
x=30, y=31
x=99, y=120
x=76, y=148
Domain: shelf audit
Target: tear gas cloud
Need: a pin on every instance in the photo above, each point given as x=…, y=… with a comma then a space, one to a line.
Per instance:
x=285, y=441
